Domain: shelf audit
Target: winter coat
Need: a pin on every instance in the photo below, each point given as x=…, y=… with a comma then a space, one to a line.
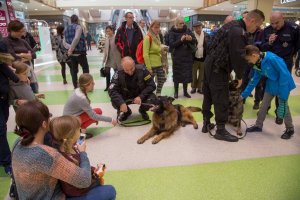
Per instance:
x=279, y=80
x=182, y=54
x=122, y=42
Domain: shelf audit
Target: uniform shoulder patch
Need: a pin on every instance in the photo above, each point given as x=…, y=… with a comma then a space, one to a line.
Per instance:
x=111, y=86
x=147, y=77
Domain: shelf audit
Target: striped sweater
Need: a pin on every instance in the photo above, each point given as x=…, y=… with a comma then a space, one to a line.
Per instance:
x=38, y=168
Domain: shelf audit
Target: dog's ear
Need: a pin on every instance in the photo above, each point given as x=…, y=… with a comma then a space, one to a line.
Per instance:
x=171, y=99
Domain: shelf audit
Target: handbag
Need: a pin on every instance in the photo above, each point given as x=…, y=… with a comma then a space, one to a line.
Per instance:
x=102, y=72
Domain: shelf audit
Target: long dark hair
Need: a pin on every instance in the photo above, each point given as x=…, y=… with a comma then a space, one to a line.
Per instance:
x=29, y=118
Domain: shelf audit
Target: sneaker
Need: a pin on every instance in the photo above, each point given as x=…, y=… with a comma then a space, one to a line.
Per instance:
x=223, y=134
x=256, y=106
x=278, y=121
x=8, y=170
x=65, y=82
x=124, y=116
x=287, y=133
x=251, y=95
x=254, y=128
x=187, y=95
x=144, y=114
x=193, y=91
x=200, y=91
x=207, y=126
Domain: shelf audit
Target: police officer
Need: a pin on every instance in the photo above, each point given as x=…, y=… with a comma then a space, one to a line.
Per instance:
x=132, y=84
x=225, y=55
x=281, y=38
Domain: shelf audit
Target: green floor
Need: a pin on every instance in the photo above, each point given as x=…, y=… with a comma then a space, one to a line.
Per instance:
x=276, y=178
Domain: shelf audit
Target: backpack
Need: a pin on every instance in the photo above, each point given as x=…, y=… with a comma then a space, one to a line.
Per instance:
x=139, y=51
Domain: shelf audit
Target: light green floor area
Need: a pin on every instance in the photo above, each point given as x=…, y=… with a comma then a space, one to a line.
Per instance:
x=276, y=178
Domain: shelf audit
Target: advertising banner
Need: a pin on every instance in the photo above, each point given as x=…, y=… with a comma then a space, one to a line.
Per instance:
x=3, y=23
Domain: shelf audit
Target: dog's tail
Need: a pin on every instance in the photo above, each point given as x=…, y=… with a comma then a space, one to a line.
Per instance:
x=194, y=109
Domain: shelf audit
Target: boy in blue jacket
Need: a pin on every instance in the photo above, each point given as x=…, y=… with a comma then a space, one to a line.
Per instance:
x=279, y=83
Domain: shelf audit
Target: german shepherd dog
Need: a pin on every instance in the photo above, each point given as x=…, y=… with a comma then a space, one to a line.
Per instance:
x=168, y=118
x=236, y=107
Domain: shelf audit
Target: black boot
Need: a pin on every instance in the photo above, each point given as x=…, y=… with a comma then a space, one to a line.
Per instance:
x=207, y=126
x=223, y=134
x=185, y=93
x=176, y=86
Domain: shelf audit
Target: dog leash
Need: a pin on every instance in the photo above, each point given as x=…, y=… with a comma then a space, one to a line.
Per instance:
x=239, y=136
x=136, y=122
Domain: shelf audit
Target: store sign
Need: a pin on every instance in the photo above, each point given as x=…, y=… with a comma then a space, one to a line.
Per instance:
x=19, y=15
x=3, y=23
x=10, y=10
x=287, y=1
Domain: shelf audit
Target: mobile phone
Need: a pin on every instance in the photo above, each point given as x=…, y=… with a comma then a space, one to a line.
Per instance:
x=81, y=138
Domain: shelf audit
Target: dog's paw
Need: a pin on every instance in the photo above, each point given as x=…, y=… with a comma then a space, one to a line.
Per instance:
x=140, y=141
x=155, y=141
x=196, y=126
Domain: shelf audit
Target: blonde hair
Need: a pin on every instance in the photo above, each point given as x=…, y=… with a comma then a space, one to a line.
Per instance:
x=64, y=129
x=84, y=80
x=20, y=67
x=178, y=19
x=155, y=22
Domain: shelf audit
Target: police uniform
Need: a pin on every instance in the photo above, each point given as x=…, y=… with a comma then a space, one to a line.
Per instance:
x=285, y=45
x=124, y=88
x=218, y=66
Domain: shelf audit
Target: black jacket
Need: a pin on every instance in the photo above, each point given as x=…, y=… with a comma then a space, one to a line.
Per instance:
x=286, y=44
x=118, y=90
x=121, y=40
x=228, y=47
x=182, y=54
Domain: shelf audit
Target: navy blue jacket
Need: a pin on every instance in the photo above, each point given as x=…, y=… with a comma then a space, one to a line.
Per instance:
x=286, y=43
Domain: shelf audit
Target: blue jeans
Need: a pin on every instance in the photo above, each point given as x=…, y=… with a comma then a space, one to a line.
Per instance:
x=5, y=154
x=103, y=192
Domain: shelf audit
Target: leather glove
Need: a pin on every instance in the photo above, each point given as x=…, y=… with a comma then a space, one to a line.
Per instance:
x=282, y=109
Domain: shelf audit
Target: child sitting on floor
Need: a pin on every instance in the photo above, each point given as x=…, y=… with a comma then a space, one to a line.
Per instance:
x=78, y=105
x=66, y=134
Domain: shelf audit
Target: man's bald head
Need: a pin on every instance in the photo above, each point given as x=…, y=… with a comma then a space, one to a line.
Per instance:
x=229, y=18
x=128, y=65
x=277, y=20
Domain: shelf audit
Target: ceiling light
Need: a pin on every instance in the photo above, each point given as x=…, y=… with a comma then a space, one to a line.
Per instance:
x=235, y=6
x=43, y=5
x=35, y=9
x=53, y=8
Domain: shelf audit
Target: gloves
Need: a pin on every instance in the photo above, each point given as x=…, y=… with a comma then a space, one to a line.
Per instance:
x=282, y=109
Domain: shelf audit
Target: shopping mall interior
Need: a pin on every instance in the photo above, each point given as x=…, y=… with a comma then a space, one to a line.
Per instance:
x=189, y=164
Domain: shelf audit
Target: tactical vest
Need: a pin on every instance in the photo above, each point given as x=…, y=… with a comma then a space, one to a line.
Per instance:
x=69, y=34
x=219, y=47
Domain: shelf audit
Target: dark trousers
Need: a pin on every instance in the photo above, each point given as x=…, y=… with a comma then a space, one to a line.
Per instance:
x=107, y=72
x=5, y=154
x=149, y=100
x=89, y=47
x=75, y=60
x=215, y=92
x=63, y=68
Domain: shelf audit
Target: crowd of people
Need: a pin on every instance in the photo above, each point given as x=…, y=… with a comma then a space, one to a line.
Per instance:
x=48, y=162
